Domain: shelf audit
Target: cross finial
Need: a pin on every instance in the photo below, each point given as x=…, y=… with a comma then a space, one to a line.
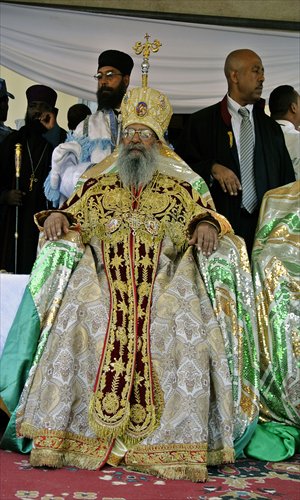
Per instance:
x=145, y=49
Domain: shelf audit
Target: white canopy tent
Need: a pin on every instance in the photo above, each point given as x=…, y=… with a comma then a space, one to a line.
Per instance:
x=60, y=48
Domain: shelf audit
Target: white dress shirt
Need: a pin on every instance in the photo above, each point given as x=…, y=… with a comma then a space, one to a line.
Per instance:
x=292, y=141
x=236, y=119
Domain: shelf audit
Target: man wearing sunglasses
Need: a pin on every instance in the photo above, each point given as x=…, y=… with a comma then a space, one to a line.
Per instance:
x=98, y=135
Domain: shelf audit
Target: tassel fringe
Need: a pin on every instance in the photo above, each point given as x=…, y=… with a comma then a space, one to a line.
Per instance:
x=57, y=460
x=196, y=473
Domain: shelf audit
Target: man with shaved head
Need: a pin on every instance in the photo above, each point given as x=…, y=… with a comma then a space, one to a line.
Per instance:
x=238, y=166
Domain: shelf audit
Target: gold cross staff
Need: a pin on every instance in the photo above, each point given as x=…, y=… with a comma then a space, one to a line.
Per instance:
x=146, y=49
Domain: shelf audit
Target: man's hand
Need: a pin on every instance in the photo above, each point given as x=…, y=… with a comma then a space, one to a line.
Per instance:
x=48, y=119
x=205, y=237
x=12, y=197
x=56, y=224
x=226, y=178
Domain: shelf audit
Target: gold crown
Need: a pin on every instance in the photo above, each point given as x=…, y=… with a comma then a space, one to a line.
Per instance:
x=148, y=107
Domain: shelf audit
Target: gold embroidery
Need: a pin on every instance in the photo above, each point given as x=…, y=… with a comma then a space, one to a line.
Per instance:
x=296, y=342
x=167, y=454
x=55, y=448
x=176, y=461
x=111, y=403
x=167, y=210
x=124, y=403
x=138, y=414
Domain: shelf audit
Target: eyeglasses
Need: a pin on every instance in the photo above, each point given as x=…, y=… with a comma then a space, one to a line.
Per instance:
x=109, y=75
x=144, y=134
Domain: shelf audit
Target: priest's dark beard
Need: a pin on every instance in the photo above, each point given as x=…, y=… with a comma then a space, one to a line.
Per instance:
x=137, y=169
x=109, y=98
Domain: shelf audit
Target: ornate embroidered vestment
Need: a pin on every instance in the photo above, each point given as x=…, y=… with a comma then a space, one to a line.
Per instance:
x=127, y=399
x=130, y=363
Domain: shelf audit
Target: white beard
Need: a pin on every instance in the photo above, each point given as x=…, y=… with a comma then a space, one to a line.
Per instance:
x=137, y=169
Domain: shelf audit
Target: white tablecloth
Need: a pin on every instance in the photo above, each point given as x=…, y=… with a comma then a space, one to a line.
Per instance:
x=12, y=287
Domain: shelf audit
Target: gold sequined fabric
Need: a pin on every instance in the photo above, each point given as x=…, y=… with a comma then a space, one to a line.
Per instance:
x=227, y=276
x=276, y=273
x=135, y=330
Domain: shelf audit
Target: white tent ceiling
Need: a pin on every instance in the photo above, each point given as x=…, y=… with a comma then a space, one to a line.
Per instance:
x=60, y=48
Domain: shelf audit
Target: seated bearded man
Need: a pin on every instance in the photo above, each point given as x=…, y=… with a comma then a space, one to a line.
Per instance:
x=130, y=366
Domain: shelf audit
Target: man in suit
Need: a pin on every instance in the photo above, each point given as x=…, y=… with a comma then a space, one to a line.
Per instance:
x=211, y=145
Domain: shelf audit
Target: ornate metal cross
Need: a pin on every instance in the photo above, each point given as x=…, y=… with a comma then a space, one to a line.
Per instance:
x=145, y=49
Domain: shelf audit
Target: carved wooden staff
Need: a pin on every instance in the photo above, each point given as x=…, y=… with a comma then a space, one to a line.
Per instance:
x=18, y=159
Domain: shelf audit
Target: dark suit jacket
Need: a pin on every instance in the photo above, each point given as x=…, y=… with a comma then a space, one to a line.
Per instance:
x=208, y=138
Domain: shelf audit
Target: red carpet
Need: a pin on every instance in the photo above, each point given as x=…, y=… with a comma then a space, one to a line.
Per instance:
x=246, y=479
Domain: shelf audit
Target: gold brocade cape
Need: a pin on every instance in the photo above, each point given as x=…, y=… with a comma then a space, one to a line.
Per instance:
x=145, y=350
x=131, y=231
x=135, y=359
x=276, y=274
x=170, y=164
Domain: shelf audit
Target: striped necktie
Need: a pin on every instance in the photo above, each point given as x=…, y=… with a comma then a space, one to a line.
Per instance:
x=249, y=197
